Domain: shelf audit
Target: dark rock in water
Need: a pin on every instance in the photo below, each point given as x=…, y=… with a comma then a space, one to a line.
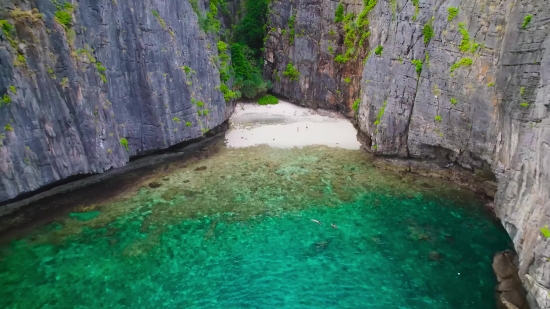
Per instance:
x=165, y=178
x=322, y=245
x=434, y=256
x=185, y=181
x=155, y=184
x=200, y=168
x=427, y=185
x=509, y=291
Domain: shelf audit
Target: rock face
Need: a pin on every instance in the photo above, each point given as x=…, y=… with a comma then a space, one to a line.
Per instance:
x=509, y=292
x=120, y=78
x=471, y=88
x=303, y=33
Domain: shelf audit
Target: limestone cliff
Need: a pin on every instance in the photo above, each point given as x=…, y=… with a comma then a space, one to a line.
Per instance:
x=86, y=85
x=448, y=80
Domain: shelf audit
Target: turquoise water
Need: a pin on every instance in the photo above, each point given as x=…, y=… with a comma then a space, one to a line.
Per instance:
x=235, y=231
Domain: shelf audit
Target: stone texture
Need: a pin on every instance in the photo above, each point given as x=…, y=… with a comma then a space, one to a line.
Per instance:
x=509, y=291
x=487, y=131
x=321, y=82
x=67, y=121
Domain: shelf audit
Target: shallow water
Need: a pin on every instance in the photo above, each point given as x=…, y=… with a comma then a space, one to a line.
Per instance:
x=234, y=230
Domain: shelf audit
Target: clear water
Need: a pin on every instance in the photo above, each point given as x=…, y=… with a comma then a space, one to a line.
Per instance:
x=234, y=230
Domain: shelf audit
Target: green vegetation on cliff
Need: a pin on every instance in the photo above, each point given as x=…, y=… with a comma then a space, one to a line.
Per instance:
x=7, y=28
x=247, y=68
x=5, y=100
x=124, y=143
x=380, y=114
x=526, y=21
x=467, y=44
x=452, y=13
x=291, y=72
x=247, y=48
x=251, y=31
x=418, y=65
x=356, y=31
x=63, y=15
x=240, y=51
x=464, y=62
x=291, y=30
x=161, y=21
x=428, y=31
x=355, y=105
x=416, y=9
x=339, y=13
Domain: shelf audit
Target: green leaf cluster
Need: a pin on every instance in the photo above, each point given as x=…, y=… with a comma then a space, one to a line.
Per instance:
x=452, y=13
x=356, y=31
x=251, y=30
x=339, y=13
x=268, y=99
x=416, y=9
x=64, y=14
x=464, y=62
x=291, y=30
x=247, y=69
x=526, y=21
x=124, y=142
x=380, y=114
x=355, y=105
x=418, y=65
x=291, y=72
x=5, y=100
x=428, y=32
x=467, y=44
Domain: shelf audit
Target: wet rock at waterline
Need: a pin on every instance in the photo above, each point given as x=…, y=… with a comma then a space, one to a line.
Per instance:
x=509, y=291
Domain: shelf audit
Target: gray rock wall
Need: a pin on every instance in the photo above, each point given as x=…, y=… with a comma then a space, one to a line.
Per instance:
x=483, y=107
x=321, y=83
x=523, y=148
x=66, y=117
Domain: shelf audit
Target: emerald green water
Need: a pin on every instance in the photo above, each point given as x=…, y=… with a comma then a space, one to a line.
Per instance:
x=234, y=231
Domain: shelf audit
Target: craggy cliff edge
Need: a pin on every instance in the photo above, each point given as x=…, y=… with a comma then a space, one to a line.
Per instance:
x=82, y=92
x=464, y=82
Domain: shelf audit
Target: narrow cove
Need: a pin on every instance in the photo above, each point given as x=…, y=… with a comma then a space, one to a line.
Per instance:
x=234, y=229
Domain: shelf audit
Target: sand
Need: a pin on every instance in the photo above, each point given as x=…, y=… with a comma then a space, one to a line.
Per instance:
x=286, y=125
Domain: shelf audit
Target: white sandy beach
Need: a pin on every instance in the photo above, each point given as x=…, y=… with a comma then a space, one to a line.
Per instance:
x=286, y=125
